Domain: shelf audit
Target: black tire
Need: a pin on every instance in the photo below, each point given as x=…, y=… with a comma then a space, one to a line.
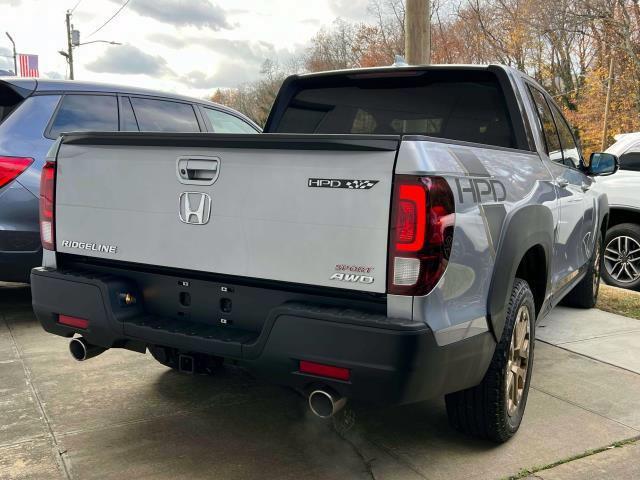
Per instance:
x=484, y=411
x=585, y=293
x=622, y=230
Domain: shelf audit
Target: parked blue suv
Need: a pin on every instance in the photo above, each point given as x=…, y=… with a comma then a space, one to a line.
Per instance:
x=33, y=112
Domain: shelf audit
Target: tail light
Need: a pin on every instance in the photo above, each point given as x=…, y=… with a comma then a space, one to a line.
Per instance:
x=11, y=167
x=47, y=205
x=421, y=234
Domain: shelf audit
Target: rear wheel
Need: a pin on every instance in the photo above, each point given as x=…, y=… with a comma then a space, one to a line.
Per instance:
x=585, y=293
x=494, y=409
x=622, y=256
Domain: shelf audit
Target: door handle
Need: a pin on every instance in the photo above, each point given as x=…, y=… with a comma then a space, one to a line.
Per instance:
x=562, y=182
x=201, y=169
x=585, y=186
x=198, y=170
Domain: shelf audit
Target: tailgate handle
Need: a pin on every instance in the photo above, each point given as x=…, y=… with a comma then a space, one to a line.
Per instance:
x=198, y=170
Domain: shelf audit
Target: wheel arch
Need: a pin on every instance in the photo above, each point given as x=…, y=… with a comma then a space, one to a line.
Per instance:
x=526, y=243
x=621, y=214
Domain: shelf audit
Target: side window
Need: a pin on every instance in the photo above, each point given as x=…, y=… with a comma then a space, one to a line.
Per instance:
x=630, y=160
x=86, y=113
x=128, y=122
x=164, y=115
x=548, y=126
x=570, y=151
x=225, y=123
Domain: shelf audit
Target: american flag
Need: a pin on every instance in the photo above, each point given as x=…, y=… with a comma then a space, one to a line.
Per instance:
x=28, y=65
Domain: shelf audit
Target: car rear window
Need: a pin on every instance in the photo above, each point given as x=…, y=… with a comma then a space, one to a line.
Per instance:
x=164, y=116
x=225, y=123
x=78, y=113
x=459, y=105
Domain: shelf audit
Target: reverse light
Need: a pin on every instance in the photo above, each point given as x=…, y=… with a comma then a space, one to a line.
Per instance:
x=322, y=370
x=74, y=322
x=47, y=205
x=12, y=167
x=421, y=234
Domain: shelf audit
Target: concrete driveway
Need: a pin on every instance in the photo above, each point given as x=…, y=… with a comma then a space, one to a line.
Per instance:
x=122, y=415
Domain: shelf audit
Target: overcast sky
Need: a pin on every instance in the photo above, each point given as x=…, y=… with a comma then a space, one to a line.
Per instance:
x=186, y=46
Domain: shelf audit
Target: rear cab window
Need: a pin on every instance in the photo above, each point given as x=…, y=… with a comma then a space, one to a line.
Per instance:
x=155, y=115
x=465, y=105
x=79, y=112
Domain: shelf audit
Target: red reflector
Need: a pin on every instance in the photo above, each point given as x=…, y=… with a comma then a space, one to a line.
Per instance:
x=11, y=167
x=412, y=218
x=322, y=370
x=73, y=321
x=47, y=191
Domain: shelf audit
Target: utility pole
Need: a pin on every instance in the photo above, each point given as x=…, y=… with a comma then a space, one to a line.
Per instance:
x=417, y=32
x=607, y=103
x=69, y=45
x=15, y=56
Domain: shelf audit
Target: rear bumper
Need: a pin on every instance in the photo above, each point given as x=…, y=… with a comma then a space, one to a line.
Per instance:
x=20, y=249
x=16, y=266
x=389, y=364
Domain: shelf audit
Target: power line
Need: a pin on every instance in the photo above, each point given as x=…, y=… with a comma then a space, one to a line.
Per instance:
x=111, y=18
x=76, y=5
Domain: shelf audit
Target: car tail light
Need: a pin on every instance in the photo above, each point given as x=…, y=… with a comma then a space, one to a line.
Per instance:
x=322, y=370
x=421, y=234
x=47, y=206
x=73, y=321
x=11, y=167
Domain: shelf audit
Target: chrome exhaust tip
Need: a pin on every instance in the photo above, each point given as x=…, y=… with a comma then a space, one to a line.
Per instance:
x=82, y=350
x=326, y=403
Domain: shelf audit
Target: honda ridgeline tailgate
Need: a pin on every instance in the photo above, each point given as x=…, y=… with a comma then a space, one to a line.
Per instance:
x=292, y=208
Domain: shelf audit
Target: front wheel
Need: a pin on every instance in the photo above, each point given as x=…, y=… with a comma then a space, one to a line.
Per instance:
x=494, y=409
x=622, y=256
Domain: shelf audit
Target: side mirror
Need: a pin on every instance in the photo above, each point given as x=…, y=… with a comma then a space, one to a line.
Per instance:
x=603, y=164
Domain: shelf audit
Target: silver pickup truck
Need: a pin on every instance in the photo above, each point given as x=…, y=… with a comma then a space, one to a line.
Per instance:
x=391, y=237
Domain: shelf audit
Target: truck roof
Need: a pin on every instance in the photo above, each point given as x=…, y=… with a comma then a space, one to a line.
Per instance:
x=401, y=68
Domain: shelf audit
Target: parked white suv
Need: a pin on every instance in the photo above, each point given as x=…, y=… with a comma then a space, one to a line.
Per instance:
x=622, y=242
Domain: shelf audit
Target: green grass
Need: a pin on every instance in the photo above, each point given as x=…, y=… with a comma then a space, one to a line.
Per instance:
x=620, y=301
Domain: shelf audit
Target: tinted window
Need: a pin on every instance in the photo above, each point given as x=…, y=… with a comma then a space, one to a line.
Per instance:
x=225, y=123
x=86, y=113
x=466, y=106
x=128, y=121
x=8, y=101
x=164, y=116
x=570, y=151
x=547, y=125
x=630, y=161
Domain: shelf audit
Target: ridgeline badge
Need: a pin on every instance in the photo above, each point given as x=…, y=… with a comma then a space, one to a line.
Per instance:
x=93, y=247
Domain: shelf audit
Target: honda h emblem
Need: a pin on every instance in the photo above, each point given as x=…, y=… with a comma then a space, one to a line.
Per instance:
x=194, y=208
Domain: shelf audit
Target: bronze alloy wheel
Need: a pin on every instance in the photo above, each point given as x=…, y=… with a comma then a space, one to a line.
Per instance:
x=518, y=361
